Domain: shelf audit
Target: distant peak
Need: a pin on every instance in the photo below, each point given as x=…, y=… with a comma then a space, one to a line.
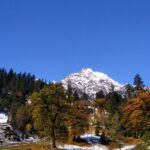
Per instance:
x=90, y=82
x=86, y=70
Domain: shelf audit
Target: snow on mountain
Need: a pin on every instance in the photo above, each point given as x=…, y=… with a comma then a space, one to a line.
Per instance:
x=90, y=82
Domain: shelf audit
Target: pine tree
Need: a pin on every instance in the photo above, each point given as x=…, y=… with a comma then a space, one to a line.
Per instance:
x=70, y=90
x=76, y=96
x=129, y=91
x=14, y=89
x=114, y=101
x=138, y=82
x=84, y=96
x=100, y=94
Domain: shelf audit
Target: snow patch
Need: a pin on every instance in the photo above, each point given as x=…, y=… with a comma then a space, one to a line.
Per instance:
x=74, y=147
x=90, y=138
x=3, y=118
x=128, y=147
x=93, y=140
x=93, y=147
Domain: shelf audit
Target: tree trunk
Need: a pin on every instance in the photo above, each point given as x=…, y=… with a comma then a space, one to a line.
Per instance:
x=53, y=138
x=102, y=118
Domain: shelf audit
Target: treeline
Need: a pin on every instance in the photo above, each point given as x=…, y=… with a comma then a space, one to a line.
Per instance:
x=15, y=89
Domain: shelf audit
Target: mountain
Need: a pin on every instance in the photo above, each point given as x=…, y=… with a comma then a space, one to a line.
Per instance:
x=90, y=82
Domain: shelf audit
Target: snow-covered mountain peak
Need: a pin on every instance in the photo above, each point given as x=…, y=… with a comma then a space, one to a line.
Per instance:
x=86, y=70
x=90, y=82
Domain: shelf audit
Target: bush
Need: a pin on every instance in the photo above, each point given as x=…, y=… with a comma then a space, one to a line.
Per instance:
x=146, y=138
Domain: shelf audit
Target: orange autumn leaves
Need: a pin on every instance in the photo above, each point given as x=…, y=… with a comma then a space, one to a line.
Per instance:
x=136, y=114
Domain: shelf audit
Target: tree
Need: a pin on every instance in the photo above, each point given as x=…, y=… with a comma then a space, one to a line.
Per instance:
x=100, y=105
x=138, y=82
x=114, y=100
x=23, y=117
x=129, y=91
x=100, y=94
x=70, y=90
x=84, y=96
x=78, y=118
x=49, y=111
x=146, y=138
x=76, y=95
x=97, y=128
x=14, y=88
x=136, y=115
x=114, y=127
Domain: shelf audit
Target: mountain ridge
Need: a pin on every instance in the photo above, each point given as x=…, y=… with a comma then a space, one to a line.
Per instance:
x=90, y=82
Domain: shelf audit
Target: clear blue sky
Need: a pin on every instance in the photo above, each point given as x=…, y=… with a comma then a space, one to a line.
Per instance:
x=53, y=38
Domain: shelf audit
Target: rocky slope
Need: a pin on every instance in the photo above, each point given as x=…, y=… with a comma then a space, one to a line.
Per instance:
x=10, y=136
x=90, y=82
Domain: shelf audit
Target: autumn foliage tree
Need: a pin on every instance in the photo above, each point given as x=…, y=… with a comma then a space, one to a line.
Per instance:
x=136, y=115
x=49, y=108
x=78, y=118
